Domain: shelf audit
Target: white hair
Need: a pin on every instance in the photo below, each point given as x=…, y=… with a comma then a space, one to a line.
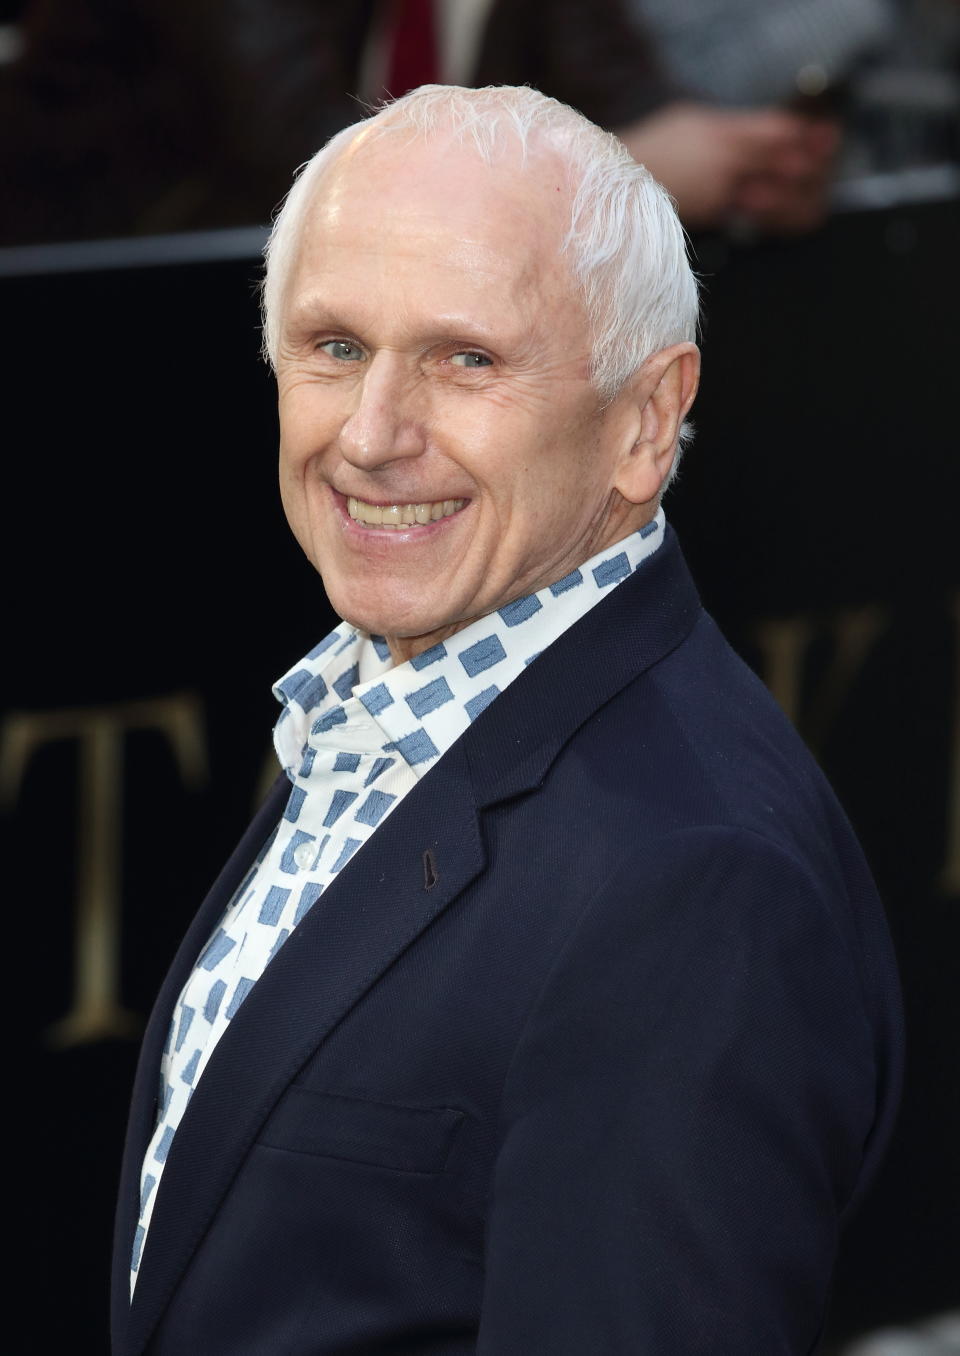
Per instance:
x=626, y=247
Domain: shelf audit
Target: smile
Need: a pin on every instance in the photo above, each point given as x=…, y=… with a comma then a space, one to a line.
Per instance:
x=401, y=515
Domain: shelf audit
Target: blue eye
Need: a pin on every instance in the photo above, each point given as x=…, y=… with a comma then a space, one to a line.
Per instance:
x=471, y=360
x=343, y=350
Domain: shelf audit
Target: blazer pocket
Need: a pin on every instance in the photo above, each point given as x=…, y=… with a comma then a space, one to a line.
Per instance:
x=410, y=1139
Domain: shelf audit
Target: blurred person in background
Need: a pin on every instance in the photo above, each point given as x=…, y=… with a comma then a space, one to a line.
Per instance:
x=147, y=117
x=886, y=70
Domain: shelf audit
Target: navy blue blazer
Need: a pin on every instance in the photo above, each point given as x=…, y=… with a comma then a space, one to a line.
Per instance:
x=602, y=1074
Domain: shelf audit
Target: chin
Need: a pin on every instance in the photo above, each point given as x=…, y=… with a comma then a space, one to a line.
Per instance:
x=382, y=622
x=382, y=616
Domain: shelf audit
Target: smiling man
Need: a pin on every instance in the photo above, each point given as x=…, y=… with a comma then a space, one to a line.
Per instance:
x=547, y=1005
x=436, y=380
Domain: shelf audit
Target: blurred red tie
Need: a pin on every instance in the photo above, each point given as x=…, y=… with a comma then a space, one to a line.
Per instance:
x=412, y=58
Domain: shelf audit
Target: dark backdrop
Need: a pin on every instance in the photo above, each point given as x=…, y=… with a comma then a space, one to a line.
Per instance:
x=154, y=595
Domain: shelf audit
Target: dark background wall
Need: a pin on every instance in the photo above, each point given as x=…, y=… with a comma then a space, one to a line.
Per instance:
x=153, y=595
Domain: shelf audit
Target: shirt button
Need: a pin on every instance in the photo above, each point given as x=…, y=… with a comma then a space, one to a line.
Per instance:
x=303, y=855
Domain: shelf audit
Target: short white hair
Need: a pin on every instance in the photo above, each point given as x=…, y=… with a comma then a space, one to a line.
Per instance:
x=625, y=243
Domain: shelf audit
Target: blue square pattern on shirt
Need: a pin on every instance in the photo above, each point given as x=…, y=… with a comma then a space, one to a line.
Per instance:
x=295, y=803
x=374, y=808
x=341, y=801
x=329, y=721
x=282, y=936
x=377, y=699
x=163, y=1148
x=190, y=1069
x=186, y=1017
x=415, y=747
x=521, y=610
x=380, y=766
x=349, y=848
x=612, y=571
x=429, y=697
x=344, y=685
x=324, y=645
x=215, y=950
x=481, y=701
x=428, y=657
x=311, y=693
x=244, y=985
x=569, y=581
x=483, y=655
x=149, y=1182
x=309, y=895
x=272, y=906
x=289, y=685
x=214, y=998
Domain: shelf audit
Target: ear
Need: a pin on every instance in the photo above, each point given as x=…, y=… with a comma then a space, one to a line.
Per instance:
x=657, y=397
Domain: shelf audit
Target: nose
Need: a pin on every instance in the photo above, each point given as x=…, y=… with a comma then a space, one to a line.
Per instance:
x=386, y=422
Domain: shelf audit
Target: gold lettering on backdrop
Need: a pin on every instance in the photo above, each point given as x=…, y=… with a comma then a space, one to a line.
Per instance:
x=950, y=878
x=96, y=1012
x=785, y=644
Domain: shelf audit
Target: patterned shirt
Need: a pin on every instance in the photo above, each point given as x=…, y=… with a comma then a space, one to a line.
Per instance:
x=355, y=735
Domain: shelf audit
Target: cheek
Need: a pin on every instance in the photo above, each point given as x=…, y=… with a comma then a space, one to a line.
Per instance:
x=308, y=421
x=298, y=503
x=293, y=508
x=291, y=486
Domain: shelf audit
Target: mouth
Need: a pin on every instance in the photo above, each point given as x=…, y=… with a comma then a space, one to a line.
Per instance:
x=401, y=515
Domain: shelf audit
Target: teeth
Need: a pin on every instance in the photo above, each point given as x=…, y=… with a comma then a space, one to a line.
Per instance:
x=401, y=515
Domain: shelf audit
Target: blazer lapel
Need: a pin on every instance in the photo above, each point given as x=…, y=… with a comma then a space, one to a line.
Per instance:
x=377, y=905
x=513, y=742
x=386, y=895
x=144, y=1097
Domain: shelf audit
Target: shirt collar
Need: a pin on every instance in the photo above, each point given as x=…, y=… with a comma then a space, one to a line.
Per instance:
x=422, y=706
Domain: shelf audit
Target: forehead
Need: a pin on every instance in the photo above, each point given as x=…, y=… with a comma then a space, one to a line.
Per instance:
x=394, y=212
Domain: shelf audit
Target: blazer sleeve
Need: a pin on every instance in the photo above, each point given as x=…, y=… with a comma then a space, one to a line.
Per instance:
x=684, y=1117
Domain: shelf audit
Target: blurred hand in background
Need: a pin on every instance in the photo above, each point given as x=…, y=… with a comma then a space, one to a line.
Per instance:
x=768, y=167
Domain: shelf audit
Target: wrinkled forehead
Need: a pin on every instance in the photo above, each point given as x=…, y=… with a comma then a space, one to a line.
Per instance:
x=388, y=179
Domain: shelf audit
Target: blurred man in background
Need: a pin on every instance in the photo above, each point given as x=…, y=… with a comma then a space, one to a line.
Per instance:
x=159, y=117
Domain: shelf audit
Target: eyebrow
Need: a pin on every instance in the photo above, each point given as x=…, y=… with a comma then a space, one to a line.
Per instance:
x=311, y=312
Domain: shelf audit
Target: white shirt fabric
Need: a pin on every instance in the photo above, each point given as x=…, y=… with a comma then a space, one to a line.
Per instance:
x=355, y=735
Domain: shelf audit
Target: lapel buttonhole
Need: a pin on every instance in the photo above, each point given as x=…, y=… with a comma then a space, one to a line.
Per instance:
x=430, y=876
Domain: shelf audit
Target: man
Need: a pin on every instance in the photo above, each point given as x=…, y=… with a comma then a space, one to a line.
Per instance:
x=551, y=1008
